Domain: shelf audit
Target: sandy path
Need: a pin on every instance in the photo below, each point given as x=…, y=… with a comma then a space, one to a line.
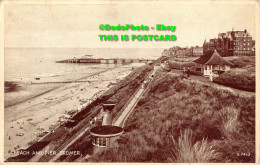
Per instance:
x=44, y=112
x=131, y=105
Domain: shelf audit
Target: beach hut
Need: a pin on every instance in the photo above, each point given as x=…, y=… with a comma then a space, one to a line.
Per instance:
x=212, y=63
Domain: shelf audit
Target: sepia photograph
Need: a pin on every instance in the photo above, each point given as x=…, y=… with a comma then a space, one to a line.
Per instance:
x=129, y=82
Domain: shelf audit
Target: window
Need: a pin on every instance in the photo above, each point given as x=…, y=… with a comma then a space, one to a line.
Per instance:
x=103, y=141
x=96, y=141
x=100, y=141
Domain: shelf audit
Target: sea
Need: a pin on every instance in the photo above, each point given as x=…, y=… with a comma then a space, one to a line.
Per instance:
x=29, y=63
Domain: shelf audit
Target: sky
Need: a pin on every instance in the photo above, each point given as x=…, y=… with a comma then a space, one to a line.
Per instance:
x=77, y=25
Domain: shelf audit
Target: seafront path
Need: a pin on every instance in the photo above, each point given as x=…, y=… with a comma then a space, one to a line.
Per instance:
x=67, y=145
x=119, y=120
x=130, y=105
x=127, y=110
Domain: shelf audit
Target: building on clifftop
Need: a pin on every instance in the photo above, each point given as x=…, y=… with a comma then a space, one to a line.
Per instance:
x=212, y=63
x=231, y=43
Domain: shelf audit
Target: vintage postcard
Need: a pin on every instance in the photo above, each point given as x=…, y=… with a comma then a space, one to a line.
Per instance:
x=129, y=81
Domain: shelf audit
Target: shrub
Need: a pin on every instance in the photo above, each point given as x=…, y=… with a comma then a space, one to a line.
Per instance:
x=184, y=150
x=242, y=62
x=237, y=79
x=209, y=117
x=180, y=65
x=241, y=76
x=229, y=123
x=235, y=151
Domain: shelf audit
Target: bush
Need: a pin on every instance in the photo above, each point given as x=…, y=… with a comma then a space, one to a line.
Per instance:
x=242, y=62
x=242, y=80
x=229, y=122
x=242, y=74
x=235, y=151
x=184, y=150
x=209, y=117
x=180, y=65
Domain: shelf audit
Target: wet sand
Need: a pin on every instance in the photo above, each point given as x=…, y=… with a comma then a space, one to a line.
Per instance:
x=38, y=108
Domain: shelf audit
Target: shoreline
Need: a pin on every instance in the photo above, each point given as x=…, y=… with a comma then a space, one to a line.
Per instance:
x=42, y=112
x=50, y=85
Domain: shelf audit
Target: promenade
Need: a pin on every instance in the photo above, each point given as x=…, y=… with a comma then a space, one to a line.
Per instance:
x=129, y=107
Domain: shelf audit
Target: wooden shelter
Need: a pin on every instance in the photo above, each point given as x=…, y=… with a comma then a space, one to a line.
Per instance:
x=212, y=63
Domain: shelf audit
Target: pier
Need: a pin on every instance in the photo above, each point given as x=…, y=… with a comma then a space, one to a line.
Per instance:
x=105, y=60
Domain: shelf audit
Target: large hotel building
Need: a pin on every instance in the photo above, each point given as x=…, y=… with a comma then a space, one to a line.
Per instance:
x=231, y=43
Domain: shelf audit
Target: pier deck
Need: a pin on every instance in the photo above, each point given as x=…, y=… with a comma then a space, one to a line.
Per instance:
x=105, y=60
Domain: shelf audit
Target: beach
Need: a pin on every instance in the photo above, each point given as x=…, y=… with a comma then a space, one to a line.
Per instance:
x=39, y=106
